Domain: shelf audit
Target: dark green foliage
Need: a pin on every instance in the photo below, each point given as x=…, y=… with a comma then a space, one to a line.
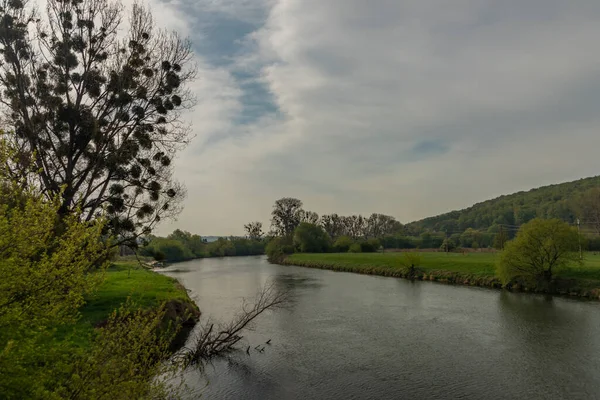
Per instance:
x=278, y=248
x=82, y=107
x=170, y=250
x=311, y=238
x=342, y=244
x=554, y=201
x=182, y=245
x=370, y=245
x=355, y=248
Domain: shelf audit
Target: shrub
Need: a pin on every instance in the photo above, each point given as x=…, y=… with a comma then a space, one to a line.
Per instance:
x=342, y=244
x=278, y=248
x=370, y=245
x=311, y=238
x=355, y=248
x=540, y=248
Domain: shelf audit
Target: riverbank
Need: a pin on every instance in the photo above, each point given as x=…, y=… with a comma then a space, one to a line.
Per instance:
x=471, y=269
x=148, y=289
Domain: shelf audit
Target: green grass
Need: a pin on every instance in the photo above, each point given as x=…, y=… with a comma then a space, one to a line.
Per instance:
x=121, y=280
x=470, y=268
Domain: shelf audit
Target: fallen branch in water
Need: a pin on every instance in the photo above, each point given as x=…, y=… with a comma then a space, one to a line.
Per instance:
x=213, y=341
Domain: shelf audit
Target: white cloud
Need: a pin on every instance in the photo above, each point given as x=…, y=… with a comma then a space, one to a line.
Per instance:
x=505, y=86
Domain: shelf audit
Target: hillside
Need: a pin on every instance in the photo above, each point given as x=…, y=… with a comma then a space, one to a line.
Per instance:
x=553, y=201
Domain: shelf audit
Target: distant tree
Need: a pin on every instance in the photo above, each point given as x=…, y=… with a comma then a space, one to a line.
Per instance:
x=310, y=217
x=426, y=240
x=379, y=225
x=98, y=105
x=286, y=216
x=333, y=225
x=540, y=249
x=311, y=238
x=254, y=230
x=342, y=244
x=588, y=206
x=500, y=239
x=448, y=245
x=354, y=226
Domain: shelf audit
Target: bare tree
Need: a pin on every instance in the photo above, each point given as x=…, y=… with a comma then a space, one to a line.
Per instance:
x=214, y=341
x=100, y=112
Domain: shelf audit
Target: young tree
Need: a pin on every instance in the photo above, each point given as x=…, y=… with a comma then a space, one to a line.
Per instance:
x=254, y=230
x=311, y=238
x=541, y=247
x=99, y=111
x=286, y=216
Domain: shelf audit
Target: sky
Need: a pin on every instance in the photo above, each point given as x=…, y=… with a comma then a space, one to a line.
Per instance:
x=409, y=108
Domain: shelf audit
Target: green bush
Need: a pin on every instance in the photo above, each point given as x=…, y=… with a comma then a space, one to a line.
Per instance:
x=370, y=245
x=355, y=248
x=342, y=244
x=311, y=238
x=278, y=248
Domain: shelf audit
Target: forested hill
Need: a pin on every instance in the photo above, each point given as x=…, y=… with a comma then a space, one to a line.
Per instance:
x=553, y=201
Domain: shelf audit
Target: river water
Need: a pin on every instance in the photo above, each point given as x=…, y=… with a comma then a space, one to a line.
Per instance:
x=350, y=336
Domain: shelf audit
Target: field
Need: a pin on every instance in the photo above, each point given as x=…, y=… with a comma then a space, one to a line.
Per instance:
x=470, y=268
x=122, y=280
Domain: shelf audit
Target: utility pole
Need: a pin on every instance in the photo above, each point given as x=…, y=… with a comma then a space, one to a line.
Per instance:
x=501, y=238
x=579, y=238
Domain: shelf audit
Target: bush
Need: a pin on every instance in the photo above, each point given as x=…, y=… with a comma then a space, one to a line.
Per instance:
x=278, y=248
x=370, y=245
x=540, y=248
x=448, y=245
x=342, y=244
x=168, y=249
x=355, y=248
x=311, y=238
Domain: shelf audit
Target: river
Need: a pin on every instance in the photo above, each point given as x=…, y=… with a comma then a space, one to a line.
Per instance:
x=350, y=336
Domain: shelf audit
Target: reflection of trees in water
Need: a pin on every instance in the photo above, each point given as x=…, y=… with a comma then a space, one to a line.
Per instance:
x=542, y=322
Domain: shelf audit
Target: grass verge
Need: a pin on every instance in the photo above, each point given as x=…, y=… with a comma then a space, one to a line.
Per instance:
x=475, y=269
x=148, y=289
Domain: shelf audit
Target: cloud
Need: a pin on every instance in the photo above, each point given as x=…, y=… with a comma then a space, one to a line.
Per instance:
x=409, y=108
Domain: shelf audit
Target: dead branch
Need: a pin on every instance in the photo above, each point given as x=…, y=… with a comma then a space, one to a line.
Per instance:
x=210, y=342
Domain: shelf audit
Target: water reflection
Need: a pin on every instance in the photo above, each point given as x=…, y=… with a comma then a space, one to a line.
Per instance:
x=356, y=336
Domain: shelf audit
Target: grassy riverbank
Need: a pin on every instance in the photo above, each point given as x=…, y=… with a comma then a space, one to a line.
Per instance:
x=475, y=269
x=148, y=289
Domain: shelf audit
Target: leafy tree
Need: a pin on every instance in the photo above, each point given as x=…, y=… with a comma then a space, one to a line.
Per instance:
x=333, y=225
x=278, y=248
x=370, y=245
x=309, y=216
x=379, y=225
x=588, y=206
x=171, y=249
x=448, y=245
x=254, y=230
x=539, y=250
x=342, y=244
x=354, y=226
x=98, y=107
x=286, y=216
x=311, y=238
x=500, y=239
